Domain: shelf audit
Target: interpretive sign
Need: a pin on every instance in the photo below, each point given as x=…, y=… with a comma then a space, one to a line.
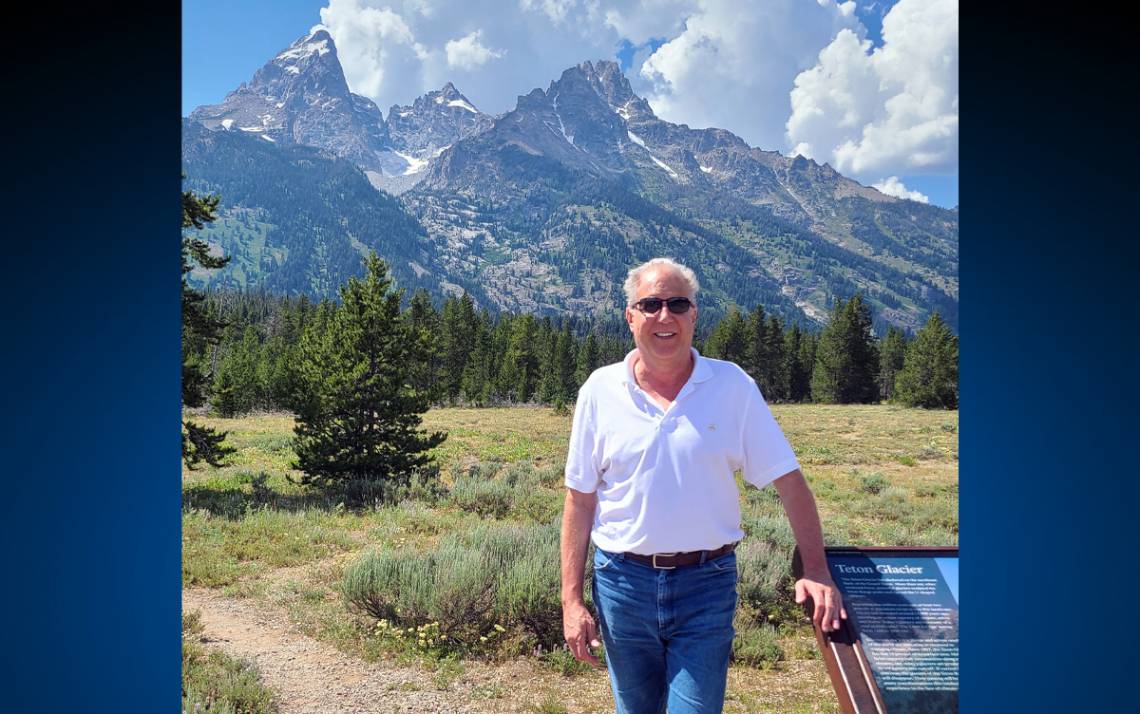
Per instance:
x=897, y=653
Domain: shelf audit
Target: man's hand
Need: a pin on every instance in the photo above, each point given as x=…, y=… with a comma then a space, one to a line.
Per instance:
x=826, y=599
x=581, y=633
x=577, y=624
x=817, y=584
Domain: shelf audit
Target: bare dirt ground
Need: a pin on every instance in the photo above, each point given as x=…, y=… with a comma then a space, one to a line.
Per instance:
x=311, y=677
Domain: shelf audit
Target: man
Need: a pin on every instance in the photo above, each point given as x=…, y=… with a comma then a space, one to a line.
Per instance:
x=649, y=475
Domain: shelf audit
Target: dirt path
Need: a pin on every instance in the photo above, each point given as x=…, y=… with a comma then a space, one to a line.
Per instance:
x=310, y=677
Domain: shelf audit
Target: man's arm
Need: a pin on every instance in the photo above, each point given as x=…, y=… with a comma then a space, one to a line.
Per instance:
x=577, y=624
x=799, y=505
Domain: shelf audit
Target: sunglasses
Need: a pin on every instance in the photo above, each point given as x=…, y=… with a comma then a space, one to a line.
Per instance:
x=676, y=305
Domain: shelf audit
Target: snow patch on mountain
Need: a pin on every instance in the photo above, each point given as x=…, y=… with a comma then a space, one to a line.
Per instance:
x=562, y=126
x=462, y=105
x=641, y=142
x=414, y=165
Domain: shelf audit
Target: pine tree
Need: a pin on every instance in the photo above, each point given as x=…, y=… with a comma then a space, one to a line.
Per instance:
x=458, y=341
x=729, y=339
x=237, y=388
x=774, y=384
x=589, y=359
x=929, y=376
x=199, y=332
x=424, y=324
x=359, y=425
x=846, y=360
x=754, y=363
x=519, y=375
x=892, y=350
x=478, y=374
x=797, y=366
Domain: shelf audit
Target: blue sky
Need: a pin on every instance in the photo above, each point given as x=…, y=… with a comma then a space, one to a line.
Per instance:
x=684, y=56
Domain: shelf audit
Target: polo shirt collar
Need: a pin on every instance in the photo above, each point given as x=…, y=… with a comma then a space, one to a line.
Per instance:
x=701, y=369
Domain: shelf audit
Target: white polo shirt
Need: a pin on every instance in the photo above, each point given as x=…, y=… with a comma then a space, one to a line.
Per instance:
x=664, y=478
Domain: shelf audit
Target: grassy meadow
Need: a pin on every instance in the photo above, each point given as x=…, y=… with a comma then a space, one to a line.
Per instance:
x=461, y=580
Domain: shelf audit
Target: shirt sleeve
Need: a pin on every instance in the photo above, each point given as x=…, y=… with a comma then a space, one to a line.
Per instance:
x=767, y=453
x=582, y=468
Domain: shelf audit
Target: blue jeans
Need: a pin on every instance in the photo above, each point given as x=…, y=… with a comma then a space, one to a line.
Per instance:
x=668, y=633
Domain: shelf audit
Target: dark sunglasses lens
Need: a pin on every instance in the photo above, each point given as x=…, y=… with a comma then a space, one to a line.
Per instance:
x=678, y=305
x=651, y=305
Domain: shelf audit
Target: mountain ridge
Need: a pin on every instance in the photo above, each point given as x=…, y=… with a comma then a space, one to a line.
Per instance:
x=545, y=206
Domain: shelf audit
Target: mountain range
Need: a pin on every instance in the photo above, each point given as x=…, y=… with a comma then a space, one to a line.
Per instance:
x=544, y=207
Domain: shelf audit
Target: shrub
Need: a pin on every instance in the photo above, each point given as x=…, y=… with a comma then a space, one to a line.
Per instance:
x=764, y=577
x=873, y=483
x=491, y=498
x=475, y=585
x=757, y=646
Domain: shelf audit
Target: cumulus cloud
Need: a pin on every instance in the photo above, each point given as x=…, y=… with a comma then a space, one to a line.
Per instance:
x=374, y=44
x=393, y=51
x=733, y=64
x=468, y=53
x=893, y=187
x=889, y=110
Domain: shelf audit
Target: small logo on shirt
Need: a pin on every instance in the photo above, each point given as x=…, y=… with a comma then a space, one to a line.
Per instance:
x=712, y=427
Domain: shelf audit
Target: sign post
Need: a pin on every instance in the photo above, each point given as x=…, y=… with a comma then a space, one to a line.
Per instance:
x=897, y=652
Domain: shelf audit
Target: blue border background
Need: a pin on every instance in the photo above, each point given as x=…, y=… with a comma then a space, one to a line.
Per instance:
x=91, y=443
x=1048, y=382
x=90, y=426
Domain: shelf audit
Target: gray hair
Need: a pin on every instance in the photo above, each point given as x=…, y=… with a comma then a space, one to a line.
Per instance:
x=633, y=279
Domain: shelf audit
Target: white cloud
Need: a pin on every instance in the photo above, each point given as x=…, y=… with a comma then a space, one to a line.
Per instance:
x=393, y=51
x=468, y=53
x=733, y=64
x=893, y=109
x=893, y=187
x=556, y=10
x=374, y=45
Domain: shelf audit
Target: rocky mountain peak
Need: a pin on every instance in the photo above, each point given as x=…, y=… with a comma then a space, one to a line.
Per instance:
x=434, y=121
x=301, y=97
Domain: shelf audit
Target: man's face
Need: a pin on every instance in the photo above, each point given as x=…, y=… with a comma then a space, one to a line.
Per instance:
x=662, y=335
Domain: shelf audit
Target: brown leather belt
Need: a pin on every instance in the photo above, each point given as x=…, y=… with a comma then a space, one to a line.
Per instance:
x=668, y=561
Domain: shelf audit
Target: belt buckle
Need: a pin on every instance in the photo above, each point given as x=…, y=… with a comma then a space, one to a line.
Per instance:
x=663, y=567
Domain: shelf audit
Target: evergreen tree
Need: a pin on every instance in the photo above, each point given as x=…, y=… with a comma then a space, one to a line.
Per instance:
x=237, y=388
x=929, y=376
x=589, y=359
x=892, y=350
x=755, y=363
x=199, y=331
x=458, y=341
x=846, y=361
x=424, y=324
x=774, y=375
x=518, y=378
x=563, y=365
x=360, y=422
x=798, y=364
x=729, y=339
x=479, y=373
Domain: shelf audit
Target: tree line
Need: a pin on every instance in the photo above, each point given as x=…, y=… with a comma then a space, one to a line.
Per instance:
x=463, y=355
